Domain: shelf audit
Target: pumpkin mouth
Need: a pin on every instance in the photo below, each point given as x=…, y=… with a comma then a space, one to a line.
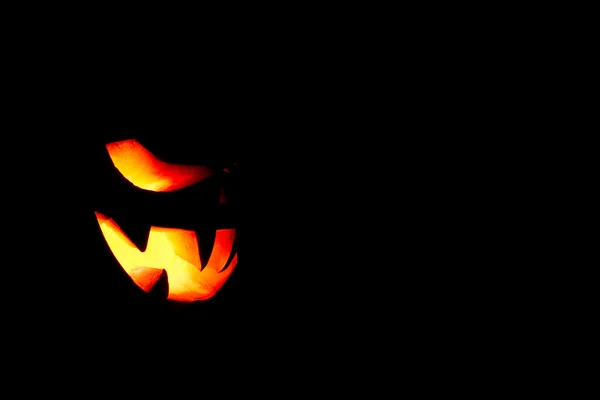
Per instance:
x=176, y=252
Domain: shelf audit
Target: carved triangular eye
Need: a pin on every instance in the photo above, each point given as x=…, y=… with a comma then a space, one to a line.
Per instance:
x=144, y=170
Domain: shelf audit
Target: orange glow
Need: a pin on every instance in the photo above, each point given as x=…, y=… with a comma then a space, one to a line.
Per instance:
x=176, y=251
x=145, y=171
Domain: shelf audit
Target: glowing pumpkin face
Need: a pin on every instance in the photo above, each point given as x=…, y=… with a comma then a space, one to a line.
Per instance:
x=169, y=250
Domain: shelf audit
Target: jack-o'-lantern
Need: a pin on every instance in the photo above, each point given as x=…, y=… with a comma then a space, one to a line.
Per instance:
x=162, y=249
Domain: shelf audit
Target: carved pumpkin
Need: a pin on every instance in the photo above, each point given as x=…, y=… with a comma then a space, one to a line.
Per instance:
x=169, y=250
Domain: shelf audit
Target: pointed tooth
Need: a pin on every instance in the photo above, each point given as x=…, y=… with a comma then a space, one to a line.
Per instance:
x=138, y=232
x=160, y=290
x=222, y=249
x=146, y=278
x=232, y=255
x=206, y=238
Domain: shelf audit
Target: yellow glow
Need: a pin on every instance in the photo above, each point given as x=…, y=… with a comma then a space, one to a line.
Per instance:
x=145, y=171
x=176, y=251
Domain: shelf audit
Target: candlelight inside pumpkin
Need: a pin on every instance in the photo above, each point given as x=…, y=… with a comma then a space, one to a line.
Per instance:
x=176, y=251
x=147, y=172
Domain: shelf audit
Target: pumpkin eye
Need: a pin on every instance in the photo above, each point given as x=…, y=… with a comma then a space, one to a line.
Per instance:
x=145, y=171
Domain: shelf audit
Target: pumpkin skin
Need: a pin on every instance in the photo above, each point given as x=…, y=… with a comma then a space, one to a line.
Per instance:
x=166, y=223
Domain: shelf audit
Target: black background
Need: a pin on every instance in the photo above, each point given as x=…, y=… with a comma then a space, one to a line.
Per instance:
x=344, y=235
x=309, y=192
x=334, y=251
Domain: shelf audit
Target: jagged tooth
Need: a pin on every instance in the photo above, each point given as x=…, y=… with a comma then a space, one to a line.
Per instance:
x=222, y=249
x=160, y=290
x=146, y=278
x=138, y=232
x=232, y=256
x=206, y=240
x=231, y=263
